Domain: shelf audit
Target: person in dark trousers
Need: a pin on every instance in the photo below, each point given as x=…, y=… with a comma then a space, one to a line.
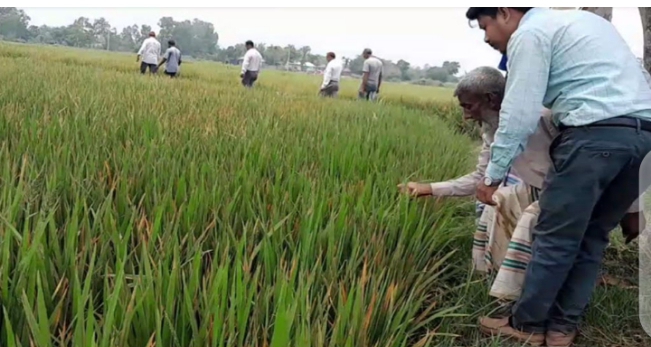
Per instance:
x=563, y=60
x=331, y=76
x=250, y=65
x=172, y=59
x=372, y=76
x=149, y=52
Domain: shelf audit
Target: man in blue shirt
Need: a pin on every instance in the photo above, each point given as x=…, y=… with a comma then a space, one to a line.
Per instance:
x=576, y=64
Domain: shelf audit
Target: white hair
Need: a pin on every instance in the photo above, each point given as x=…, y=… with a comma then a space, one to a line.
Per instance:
x=480, y=81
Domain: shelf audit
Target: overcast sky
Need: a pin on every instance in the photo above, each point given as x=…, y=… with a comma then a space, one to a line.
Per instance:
x=420, y=36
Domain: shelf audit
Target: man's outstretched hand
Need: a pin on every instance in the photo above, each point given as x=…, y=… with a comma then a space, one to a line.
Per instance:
x=415, y=189
x=485, y=194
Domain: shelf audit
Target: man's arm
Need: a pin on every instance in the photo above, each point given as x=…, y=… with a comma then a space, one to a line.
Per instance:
x=366, y=68
x=142, y=48
x=165, y=57
x=246, y=62
x=529, y=59
x=327, y=76
x=465, y=185
x=379, y=81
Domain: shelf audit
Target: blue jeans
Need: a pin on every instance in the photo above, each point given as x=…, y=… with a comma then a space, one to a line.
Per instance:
x=371, y=93
x=592, y=182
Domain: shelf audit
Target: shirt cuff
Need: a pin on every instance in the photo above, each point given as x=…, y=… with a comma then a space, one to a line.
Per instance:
x=496, y=172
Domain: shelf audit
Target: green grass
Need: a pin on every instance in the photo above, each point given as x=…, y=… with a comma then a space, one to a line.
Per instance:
x=140, y=211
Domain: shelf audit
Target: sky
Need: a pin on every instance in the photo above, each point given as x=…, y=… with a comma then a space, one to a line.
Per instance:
x=419, y=36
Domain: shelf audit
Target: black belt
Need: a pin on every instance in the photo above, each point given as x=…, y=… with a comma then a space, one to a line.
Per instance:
x=622, y=121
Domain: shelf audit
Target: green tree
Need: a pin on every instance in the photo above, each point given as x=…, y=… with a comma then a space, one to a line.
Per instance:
x=274, y=55
x=14, y=24
x=80, y=33
x=405, y=68
x=101, y=30
x=452, y=67
x=304, y=51
x=438, y=74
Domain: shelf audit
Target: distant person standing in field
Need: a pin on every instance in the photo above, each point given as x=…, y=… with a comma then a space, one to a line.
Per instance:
x=150, y=52
x=250, y=65
x=331, y=76
x=172, y=59
x=372, y=77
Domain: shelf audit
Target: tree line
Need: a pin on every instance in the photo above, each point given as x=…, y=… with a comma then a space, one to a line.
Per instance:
x=197, y=39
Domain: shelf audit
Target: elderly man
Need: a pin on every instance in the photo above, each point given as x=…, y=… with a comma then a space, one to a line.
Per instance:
x=563, y=60
x=331, y=76
x=250, y=65
x=372, y=76
x=149, y=51
x=479, y=94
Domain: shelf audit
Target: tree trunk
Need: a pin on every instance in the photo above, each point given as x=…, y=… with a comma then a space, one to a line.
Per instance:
x=645, y=15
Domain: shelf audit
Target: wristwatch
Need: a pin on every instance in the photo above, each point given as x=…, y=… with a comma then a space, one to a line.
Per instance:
x=489, y=182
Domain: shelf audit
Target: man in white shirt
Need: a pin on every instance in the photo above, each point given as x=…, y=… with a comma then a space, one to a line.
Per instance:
x=250, y=65
x=331, y=76
x=150, y=52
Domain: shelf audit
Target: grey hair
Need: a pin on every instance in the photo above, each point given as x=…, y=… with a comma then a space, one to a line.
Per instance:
x=480, y=81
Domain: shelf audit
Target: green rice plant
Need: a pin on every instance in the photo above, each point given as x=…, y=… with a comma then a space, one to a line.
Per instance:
x=145, y=211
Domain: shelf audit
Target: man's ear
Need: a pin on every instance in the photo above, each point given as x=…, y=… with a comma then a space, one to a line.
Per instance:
x=505, y=12
x=493, y=100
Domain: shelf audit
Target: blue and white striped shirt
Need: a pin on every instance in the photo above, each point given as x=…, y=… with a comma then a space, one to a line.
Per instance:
x=572, y=62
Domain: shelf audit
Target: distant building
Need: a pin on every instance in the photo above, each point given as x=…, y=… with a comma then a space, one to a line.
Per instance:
x=296, y=66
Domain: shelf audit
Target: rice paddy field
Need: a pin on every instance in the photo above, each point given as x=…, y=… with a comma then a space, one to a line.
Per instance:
x=142, y=211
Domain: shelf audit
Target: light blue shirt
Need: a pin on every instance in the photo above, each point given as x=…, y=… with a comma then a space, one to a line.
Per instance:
x=572, y=62
x=173, y=56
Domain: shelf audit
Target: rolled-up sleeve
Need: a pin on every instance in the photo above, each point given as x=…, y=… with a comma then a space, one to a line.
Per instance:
x=465, y=185
x=529, y=56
